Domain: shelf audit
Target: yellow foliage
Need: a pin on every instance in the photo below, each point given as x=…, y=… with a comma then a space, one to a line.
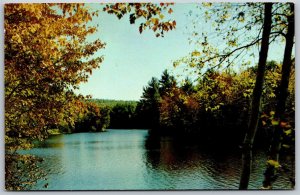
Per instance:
x=44, y=48
x=274, y=163
x=196, y=53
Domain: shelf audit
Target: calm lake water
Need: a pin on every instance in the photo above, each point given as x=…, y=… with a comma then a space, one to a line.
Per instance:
x=131, y=160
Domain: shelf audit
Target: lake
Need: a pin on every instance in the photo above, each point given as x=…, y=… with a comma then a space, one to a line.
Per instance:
x=132, y=160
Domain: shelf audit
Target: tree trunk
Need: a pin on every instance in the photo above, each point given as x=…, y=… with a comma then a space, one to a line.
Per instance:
x=255, y=104
x=281, y=101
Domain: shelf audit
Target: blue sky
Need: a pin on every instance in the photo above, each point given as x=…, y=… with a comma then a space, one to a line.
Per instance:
x=131, y=58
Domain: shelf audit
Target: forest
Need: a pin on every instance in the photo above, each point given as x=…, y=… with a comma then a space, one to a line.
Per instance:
x=216, y=103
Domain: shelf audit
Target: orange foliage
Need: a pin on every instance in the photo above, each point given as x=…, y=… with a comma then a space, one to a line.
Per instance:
x=46, y=57
x=153, y=14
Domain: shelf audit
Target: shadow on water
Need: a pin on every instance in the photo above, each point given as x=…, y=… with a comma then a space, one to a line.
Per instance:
x=213, y=168
x=207, y=165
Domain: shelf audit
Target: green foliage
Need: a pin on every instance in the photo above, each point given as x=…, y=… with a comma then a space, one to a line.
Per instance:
x=148, y=106
x=112, y=103
x=123, y=116
x=92, y=119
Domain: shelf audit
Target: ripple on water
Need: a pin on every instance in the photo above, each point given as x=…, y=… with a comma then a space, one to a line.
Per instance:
x=130, y=160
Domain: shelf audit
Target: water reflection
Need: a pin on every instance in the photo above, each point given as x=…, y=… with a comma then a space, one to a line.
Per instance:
x=207, y=168
x=134, y=160
x=52, y=142
x=190, y=165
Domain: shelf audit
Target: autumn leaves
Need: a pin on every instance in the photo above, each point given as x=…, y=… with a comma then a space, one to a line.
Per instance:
x=46, y=56
x=151, y=15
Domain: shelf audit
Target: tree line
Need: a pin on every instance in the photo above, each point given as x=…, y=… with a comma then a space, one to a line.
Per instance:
x=212, y=109
x=100, y=115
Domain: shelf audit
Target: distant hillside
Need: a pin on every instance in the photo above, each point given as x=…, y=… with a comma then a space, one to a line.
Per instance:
x=112, y=103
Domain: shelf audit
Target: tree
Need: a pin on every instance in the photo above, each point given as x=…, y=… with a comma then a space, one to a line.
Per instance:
x=239, y=27
x=92, y=119
x=256, y=99
x=178, y=111
x=150, y=103
x=236, y=33
x=188, y=86
x=105, y=118
x=167, y=82
x=47, y=56
x=122, y=116
x=280, y=119
x=148, y=107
